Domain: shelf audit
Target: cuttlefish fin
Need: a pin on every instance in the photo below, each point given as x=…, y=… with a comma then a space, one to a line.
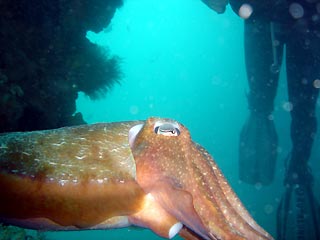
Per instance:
x=154, y=217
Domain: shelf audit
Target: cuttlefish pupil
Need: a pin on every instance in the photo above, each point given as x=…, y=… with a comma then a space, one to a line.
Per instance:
x=167, y=129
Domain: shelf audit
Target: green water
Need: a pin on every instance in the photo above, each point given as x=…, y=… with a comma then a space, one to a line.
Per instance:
x=183, y=61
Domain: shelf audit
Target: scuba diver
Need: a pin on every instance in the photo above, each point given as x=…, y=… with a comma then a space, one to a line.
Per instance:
x=269, y=28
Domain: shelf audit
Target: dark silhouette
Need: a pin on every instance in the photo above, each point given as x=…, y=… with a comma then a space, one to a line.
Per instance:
x=46, y=59
x=271, y=27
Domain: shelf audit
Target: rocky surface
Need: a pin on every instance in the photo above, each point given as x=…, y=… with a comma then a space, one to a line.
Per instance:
x=46, y=59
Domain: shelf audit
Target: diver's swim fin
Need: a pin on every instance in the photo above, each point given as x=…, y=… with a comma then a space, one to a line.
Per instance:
x=258, y=150
x=298, y=215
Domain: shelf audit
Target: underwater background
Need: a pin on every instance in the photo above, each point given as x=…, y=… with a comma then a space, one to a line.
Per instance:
x=180, y=60
x=183, y=61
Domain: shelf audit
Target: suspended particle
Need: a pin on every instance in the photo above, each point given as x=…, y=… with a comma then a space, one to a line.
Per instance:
x=276, y=43
x=134, y=109
x=316, y=83
x=216, y=81
x=318, y=7
x=304, y=81
x=268, y=209
x=258, y=185
x=279, y=149
x=245, y=11
x=315, y=17
x=271, y=117
x=296, y=10
x=274, y=68
x=287, y=106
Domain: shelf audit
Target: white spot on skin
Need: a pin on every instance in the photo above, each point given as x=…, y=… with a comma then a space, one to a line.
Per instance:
x=58, y=144
x=81, y=157
x=175, y=229
x=63, y=182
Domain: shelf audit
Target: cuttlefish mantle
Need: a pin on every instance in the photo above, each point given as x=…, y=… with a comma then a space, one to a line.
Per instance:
x=108, y=175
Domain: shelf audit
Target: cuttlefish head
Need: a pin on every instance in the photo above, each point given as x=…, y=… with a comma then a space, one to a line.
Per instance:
x=181, y=177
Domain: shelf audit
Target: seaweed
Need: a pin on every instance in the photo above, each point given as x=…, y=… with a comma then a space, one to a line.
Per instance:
x=46, y=59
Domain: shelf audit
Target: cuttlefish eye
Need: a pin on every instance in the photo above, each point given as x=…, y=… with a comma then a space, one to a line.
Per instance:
x=167, y=129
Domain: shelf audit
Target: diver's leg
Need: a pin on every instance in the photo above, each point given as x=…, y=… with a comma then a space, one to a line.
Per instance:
x=303, y=73
x=262, y=79
x=258, y=137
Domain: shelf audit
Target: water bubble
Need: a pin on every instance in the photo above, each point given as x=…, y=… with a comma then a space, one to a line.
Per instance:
x=245, y=11
x=296, y=10
x=316, y=83
x=287, y=106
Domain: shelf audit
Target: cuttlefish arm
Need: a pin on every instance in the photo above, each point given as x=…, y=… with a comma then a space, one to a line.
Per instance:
x=148, y=174
x=185, y=180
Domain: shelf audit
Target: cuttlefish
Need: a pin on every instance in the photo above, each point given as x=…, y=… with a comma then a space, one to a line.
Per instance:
x=148, y=174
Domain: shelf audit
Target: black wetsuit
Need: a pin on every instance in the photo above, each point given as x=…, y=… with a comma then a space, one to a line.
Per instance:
x=301, y=38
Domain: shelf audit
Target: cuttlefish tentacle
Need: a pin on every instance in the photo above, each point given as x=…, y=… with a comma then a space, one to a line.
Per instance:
x=217, y=188
x=232, y=198
x=187, y=169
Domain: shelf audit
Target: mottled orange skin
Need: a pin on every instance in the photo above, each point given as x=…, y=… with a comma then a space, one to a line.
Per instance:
x=92, y=176
x=189, y=185
x=79, y=205
x=75, y=177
